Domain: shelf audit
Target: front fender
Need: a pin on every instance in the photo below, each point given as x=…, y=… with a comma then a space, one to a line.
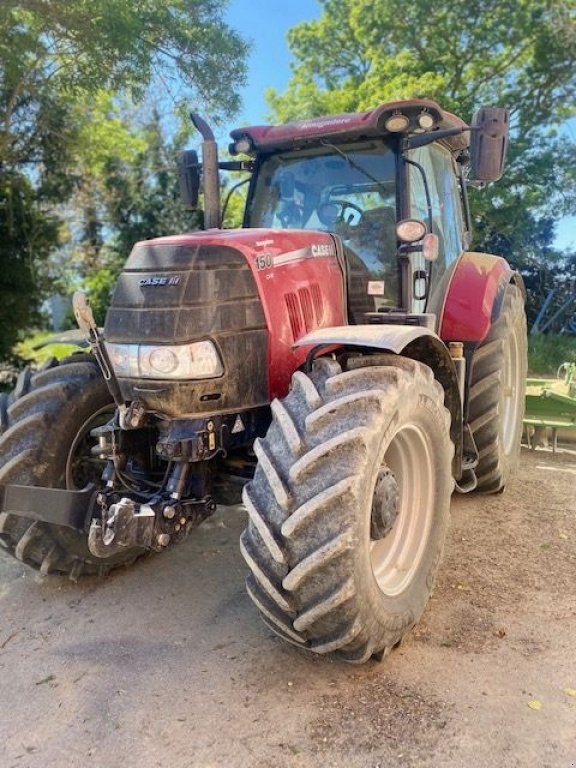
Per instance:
x=392, y=338
x=474, y=297
x=416, y=342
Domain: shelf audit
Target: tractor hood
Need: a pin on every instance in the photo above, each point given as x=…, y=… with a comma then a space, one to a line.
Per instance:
x=205, y=322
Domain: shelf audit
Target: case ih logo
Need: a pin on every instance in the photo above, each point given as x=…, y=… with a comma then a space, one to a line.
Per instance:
x=159, y=280
x=324, y=249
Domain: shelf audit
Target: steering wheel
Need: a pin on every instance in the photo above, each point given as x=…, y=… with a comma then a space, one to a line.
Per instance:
x=339, y=216
x=334, y=213
x=290, y=215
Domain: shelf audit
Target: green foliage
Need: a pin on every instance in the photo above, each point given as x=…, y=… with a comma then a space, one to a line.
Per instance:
x=104, y=132
x=27, y=233
x=99, y=286
x=233, y=213
x=69, y=70
x=26, y=351
x=465, y=53
x=127, y=191
x=129, y=196
x=79, y=47
x=547, y=353
x=545, y=277
x=142, y=197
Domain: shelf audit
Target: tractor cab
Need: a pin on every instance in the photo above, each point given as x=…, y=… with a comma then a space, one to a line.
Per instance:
x=348, y=191
x=388, y=183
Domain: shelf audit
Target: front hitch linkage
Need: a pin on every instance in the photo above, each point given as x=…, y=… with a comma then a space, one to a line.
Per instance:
x=111, y=527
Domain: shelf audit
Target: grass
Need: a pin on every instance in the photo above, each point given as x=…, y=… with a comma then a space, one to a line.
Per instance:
x=26, y=353
x=546, y=353
x=25, y=350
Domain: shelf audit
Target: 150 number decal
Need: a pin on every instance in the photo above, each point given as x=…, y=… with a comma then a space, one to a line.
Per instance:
x=263, y=261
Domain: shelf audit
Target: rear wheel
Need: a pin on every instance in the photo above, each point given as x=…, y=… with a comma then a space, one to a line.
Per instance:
x=349, y=506
x=496, y=400
x=47, y=443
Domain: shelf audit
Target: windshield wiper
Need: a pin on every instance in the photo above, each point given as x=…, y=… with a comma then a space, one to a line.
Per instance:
x=355, y=165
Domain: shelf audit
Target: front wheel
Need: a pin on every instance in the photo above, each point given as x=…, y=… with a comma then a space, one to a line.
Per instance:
x=349, y=506
x=48, y=443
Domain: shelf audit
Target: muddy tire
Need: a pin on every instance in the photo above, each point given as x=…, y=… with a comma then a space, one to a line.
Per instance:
x=349, y=506
x=496, y=401
x=47, y=442
x=21, y=387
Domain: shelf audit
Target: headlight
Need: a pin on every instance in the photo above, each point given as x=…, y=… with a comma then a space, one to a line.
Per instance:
x=410, y=230
x=199, y=360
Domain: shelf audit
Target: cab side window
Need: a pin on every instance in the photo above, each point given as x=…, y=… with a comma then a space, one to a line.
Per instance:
x=447, y=216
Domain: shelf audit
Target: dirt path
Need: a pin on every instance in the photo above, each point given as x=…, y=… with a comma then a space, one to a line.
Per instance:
x=167, y=664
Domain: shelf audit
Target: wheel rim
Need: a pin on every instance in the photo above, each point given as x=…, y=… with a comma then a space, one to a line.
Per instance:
x=396, y=558
x=81, y=466
x=511, y=387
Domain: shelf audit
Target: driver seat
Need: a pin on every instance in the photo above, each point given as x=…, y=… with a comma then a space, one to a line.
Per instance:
x=374, y=239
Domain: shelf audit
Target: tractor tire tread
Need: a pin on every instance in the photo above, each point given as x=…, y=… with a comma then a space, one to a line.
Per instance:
x=314, y=457
x=39, y=420
x=485, y=404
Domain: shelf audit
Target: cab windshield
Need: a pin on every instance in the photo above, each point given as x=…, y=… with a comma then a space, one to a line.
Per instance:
x=350, y=192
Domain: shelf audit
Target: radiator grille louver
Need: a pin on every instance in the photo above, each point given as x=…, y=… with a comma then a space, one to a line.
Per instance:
x=306, y=306
x=318, y=303
x=294, y=313
x=305, y=309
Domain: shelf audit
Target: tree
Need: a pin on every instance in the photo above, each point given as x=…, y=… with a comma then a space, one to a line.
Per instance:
x=78, y=47
x=26, y=234
x=56, y=57
x=132, y=196
x=551, y=286
x=34, y=135
x=514, y=53
x=364, y=51
x=126, y=189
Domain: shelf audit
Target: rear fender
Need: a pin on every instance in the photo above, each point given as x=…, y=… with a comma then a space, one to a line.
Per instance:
x=474, y=297
x=416, y=342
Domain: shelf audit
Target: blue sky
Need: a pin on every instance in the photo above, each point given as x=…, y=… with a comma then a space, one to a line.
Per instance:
x=265, y=23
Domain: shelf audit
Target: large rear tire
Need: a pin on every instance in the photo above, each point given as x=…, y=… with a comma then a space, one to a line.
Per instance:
x=47, y=443
x=497, y=392
x=349, y=506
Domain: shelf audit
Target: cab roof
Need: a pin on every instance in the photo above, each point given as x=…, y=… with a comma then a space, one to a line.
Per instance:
x=353, y=127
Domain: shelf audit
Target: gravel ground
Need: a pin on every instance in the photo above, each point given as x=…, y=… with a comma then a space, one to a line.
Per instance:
x=167, y=664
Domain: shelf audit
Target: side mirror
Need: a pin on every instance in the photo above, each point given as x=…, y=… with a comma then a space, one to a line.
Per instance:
x=488, y=143
x=189, y=178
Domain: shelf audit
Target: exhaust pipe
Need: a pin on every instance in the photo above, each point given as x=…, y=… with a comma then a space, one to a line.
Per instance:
x=210, y=172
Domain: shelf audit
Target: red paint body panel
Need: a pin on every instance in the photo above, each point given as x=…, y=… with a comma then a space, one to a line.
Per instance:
x=300, y=283
x=344, y=126
x=468, y=307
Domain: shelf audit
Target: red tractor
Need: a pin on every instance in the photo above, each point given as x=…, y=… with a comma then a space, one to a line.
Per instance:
x=341, y=363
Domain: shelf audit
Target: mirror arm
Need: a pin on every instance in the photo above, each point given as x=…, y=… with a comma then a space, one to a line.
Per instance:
x=475, y=183
x=237, y=165
x=422, y=139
